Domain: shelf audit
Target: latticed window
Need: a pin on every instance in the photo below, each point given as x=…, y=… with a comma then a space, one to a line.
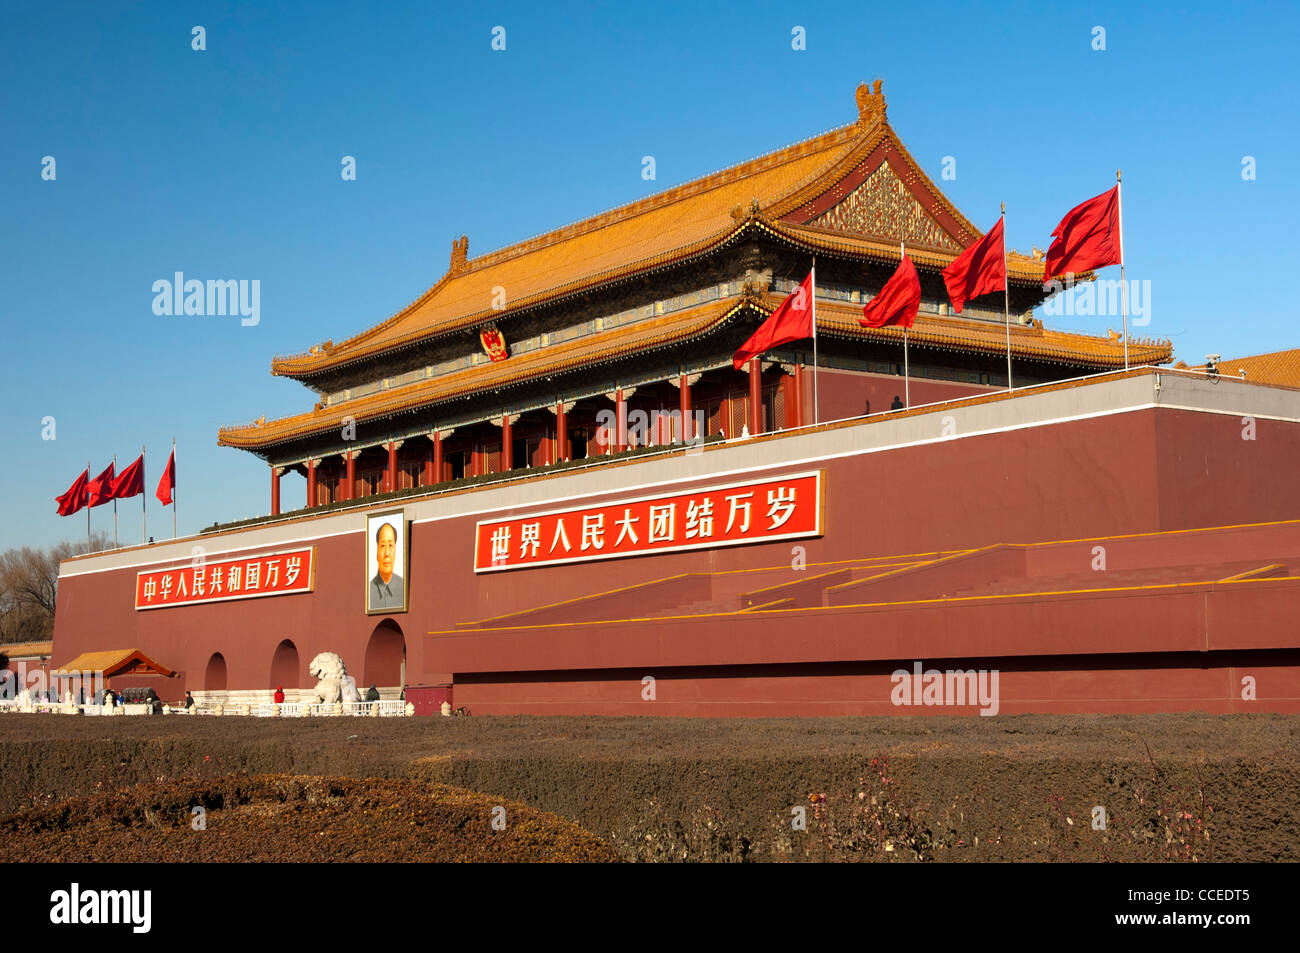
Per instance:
x=712, y=416
x=369, y=482
x=774, y=409
x=408, y=474
x=739, y=414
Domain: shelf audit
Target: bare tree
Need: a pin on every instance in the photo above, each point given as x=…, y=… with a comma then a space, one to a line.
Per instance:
x=29, y=587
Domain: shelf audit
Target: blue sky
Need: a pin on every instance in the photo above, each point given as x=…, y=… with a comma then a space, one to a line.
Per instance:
x=225, y=163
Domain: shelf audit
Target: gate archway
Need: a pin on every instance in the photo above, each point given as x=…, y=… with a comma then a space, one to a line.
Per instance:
x=214, y=676
x=385, y=663
x=285, y=668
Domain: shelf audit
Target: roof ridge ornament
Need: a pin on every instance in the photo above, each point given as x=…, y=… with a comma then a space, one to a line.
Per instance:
x=459, y=255
x=871, y=103
x=742, y=214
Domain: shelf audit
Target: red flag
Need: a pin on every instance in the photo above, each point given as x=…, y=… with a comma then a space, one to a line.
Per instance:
x=130, y=482
x=1087, y=238
x=75, y=498
x=792, y=321
x=897, y=302
x=100, y=490
x=168, y=481
x=978, y=270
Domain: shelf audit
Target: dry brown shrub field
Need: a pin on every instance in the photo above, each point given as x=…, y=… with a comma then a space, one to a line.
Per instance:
x=1173, y=787
x=293, y=818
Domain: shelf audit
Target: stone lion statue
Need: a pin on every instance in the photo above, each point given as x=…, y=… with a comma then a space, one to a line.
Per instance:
x=335, y=683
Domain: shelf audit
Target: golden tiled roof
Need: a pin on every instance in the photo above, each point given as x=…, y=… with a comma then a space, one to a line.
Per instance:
x=110, y=661
x=1276, y=367
x=17, y=650
x=990, y=337
x=653, y=231
x=1022, y=268
x=840, y=320
x=647, y=233
x=548, y=360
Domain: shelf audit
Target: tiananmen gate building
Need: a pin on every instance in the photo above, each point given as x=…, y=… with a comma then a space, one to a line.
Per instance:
x=544, y=488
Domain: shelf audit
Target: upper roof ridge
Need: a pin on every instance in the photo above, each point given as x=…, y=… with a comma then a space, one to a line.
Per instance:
x=674, y=193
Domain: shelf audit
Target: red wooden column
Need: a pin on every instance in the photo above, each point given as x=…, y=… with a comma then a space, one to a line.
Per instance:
x=755, y=397
x=688, y=410
x=789, y=388
x=390, y=475
x=798, y=396
x=561, y=411
x=561, y=432
x=350, y=475
x=275, y=489
x=433, y=465
x=507, y=445
x=311, y=481
x=620, y=421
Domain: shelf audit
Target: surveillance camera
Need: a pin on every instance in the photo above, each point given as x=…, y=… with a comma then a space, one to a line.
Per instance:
x=1212, y=358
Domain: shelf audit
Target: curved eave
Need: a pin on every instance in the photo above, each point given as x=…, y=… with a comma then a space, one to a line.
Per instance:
x=313, y=364
x=328, y=357
x=1028, y=342
x=1022, y=271
x=554, y=359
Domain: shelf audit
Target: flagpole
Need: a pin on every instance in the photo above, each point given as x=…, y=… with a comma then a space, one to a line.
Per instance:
x=144, y=520
x=813, y=283
x=173, y=476
x=907, y=377
x=115, y=503
x=1123, y=285
x=1006, y=293
x=87, y=511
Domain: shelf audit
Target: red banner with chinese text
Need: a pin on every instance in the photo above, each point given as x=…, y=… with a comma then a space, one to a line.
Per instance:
x=787, y=507
x=248, y=577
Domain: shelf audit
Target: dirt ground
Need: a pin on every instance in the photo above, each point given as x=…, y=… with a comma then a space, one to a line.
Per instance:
x=293, y=818
x=1028, y=787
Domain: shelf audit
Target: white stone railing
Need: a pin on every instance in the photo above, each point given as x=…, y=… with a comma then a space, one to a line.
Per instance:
x=388, y=708
x=392, y=708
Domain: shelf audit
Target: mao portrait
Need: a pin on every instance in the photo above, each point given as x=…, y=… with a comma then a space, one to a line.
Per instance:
x=386, y=553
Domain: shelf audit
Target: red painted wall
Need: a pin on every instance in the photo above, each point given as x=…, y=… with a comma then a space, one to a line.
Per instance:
x=844, y=394
x=1120, y=474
